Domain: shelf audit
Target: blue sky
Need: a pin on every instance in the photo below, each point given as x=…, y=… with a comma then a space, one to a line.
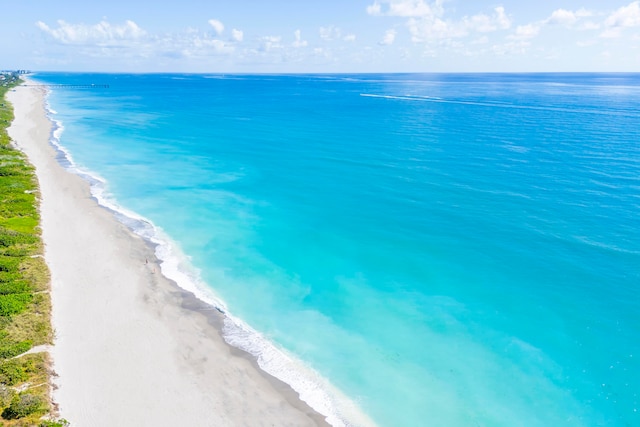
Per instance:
x=321, y=35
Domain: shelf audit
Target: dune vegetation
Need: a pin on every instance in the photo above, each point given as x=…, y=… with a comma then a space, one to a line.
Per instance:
x=25, y=305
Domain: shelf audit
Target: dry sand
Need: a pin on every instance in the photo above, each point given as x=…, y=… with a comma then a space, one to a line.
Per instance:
x=131, y=348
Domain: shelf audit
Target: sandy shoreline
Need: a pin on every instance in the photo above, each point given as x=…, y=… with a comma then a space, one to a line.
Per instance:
x=132, y=348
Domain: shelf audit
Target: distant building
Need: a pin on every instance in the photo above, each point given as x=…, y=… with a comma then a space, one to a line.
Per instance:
x=9, y=77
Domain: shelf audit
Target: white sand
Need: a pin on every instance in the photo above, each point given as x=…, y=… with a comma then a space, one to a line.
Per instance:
x=132, y=349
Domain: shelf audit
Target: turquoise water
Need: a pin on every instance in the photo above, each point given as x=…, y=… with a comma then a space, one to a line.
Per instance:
x=445, y=250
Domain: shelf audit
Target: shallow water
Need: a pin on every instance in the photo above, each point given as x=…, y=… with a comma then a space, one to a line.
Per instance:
x=446, y=250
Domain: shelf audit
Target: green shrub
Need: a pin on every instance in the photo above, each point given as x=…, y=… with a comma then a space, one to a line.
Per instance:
x=6, y=276
x=15, y=287
x=13, y=372
x=10, y=237
x=14, y=303
x=15, y=252
x=9, y=264
x=6, y=395
x=8, y=350
x=22, y=224
x=24, y=315
x=55, y=423
x=23, y=405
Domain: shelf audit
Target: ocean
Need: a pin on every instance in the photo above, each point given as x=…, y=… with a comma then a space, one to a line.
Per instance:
x=424, y=249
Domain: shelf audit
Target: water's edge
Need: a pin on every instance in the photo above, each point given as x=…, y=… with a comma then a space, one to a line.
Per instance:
x=306, y=384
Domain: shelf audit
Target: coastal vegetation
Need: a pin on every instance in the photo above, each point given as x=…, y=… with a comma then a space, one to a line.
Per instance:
x=24, y=287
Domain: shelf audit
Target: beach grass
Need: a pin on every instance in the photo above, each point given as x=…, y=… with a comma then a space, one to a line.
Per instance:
x=25, y=306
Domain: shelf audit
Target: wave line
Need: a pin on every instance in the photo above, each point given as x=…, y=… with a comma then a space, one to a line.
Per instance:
x=499, y=105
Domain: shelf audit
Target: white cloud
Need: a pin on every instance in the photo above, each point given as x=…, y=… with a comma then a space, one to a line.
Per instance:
x=374, y=9
x=128, y=40
x=389, y=38
x=269, y=43
x=202, y=45
x=501, y=19
x=415, y=8
x=218, y=26
x=406, y=8
x=484, y=24
x=330, y=33
x=427, y=22
x=102, y=33
x=298, y=42
x=562, y=17
x=435, y=26
x=435, y=23
x=422, y=30
x=524, y=32
x=237, y=35
x=190, y=44
x=567, y=18
x=626, y=16
x=518, y=47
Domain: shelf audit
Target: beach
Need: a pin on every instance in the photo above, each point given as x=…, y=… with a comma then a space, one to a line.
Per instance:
x=132, y=348
x=441, y=253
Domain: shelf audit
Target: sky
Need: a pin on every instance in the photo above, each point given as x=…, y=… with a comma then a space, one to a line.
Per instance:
x=321, y=36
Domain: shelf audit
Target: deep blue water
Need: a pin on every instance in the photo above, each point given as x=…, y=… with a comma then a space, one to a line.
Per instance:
x=445, y=250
